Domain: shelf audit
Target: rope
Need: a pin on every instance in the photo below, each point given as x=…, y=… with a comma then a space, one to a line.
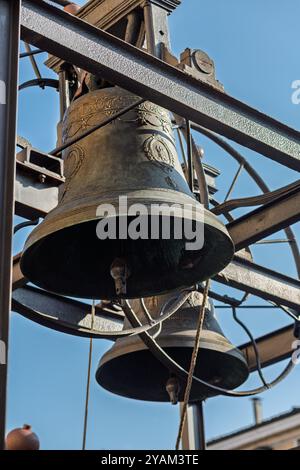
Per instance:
x=192, y=365
x=88, y=379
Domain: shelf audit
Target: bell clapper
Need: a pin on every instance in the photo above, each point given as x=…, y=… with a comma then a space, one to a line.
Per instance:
x=173, y=389
x=119, y=272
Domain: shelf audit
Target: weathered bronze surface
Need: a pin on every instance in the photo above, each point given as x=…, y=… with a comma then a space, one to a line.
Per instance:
x=134, y=156
x=130, y=370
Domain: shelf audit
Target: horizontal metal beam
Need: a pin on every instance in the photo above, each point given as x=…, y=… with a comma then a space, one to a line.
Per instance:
x=273, y=347
x=266, y=220
x=102, y=54
x=263, y=282
x=64, y=314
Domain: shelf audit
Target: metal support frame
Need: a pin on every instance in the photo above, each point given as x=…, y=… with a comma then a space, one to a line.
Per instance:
x=266, y=220
x=63, y=314
x=193, y=436
x=9, y=56
x=263, y=282
x=100, y=53
x=282, y=338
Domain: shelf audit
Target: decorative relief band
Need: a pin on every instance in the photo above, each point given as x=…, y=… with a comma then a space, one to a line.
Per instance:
x=90, y=113
x=72, y=164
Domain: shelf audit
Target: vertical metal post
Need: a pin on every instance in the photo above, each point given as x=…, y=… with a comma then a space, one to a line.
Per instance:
x=9, y=52
x=64, y=92
x=190, y=155
x=193, y=437
x=156, y=26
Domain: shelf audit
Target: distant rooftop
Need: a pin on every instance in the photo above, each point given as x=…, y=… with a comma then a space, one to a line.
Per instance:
x=294, y=411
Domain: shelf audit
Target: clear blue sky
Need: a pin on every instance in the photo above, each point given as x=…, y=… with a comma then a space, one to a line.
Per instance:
x=254, y=46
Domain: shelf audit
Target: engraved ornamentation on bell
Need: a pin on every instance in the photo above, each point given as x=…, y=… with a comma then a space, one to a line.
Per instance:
x=134, y=156
x=129, y=368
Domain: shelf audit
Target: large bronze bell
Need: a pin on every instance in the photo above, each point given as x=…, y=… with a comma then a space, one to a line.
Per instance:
x=130, y=369
x=134, y=156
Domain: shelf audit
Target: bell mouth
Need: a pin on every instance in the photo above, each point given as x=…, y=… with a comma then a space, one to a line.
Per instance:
x=138, y=375
x=73, y=261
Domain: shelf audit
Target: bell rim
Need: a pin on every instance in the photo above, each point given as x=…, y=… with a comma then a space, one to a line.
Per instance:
x=167, y=341
x=57, y=224
x=54, y=222
x=104, y=377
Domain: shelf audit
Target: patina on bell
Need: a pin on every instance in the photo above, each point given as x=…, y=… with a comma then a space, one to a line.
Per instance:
x=131, y=370
x=134, y=156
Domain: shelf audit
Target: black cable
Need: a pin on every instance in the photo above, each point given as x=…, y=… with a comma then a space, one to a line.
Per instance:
x=248, y=332
x=28, y=223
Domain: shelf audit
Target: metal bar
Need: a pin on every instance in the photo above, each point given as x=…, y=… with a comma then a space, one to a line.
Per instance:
x=9, y=56
x=263, y=282
x=231, y=188
x=193, y=436
x=182, y=152
x=259, y=200
x=190, y=155
x=33, y=61
x=100, y=53
x=28, y=54
x=273, y=347
x=265, y=220
x=271, y=242
x=248, y=306
x=41, y=82
x=197, y=161
x=62, y=3
x=64, y=92
x=63, y=314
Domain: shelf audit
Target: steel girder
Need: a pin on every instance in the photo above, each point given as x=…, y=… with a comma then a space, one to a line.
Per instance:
x=99, y=52
x=282, y=338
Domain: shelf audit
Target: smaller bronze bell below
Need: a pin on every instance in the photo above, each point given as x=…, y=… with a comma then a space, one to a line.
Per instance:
x=129, y=369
